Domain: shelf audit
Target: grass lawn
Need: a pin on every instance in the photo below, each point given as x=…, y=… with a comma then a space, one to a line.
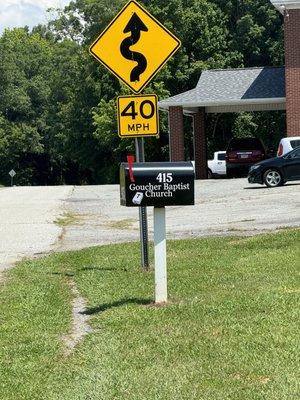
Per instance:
x=230, y=331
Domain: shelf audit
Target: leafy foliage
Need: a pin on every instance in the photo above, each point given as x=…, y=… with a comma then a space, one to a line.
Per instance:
x=58, y=106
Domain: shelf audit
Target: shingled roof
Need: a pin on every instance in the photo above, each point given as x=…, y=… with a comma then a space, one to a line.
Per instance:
x=233, y=90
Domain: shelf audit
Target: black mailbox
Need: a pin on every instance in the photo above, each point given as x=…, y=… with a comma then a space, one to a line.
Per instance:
x=157, y=184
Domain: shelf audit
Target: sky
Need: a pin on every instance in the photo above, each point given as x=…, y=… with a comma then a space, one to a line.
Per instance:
x=16, y=13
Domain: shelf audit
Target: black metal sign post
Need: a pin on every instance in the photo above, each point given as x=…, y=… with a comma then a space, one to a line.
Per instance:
x=140, y=157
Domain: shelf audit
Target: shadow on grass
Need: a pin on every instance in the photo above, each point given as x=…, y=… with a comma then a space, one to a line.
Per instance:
x=99, y=269
x=115, y=304
x=102, y=269
x=70, y=274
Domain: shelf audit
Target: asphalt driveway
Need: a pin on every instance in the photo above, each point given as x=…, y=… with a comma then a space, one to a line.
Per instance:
x=223, y=207
x=27, y=216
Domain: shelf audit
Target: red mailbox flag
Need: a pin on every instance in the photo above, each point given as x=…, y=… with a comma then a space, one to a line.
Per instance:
x=130, y=160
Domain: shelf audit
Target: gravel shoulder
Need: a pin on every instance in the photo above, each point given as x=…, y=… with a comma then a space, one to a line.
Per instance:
x=223, y=207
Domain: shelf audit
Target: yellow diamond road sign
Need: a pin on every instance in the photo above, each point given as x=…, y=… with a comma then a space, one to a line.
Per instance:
x=138, y=116
x=134, y=46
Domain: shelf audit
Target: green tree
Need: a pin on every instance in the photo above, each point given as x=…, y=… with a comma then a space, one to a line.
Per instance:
x=201, y=26
x=24, y=93
x=58, y=105
x=256, y=31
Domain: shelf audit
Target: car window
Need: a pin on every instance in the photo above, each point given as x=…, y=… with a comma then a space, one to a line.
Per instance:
x=295, y=153
x=245, y=144
x=295, y=143
x=221, y=156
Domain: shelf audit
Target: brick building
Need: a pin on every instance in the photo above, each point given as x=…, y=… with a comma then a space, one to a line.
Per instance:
x=237, y=90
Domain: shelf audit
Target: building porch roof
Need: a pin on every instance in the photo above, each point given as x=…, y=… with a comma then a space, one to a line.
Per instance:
x=234, y=90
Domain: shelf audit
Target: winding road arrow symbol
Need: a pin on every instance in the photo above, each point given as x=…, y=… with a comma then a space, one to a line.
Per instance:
x=134, y=46
x=135, y=26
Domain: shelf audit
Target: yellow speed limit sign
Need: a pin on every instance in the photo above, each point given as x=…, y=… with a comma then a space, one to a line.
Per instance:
x=138, y=116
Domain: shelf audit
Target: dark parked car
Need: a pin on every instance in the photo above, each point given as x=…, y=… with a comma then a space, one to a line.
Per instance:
x=276, y=171
x=241, y=154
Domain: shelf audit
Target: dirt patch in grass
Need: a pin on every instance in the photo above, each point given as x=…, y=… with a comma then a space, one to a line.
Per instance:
x=252, y=378
x=80, y=325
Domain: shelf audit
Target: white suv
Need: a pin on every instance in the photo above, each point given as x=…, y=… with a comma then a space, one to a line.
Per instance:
x=217, y=166
x=287, y=144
